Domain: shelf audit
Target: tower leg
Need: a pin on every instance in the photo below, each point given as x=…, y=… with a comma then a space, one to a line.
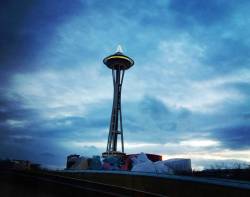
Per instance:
x=116, y=128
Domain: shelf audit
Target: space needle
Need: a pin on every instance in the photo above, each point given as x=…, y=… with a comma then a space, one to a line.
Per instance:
x=118, y=63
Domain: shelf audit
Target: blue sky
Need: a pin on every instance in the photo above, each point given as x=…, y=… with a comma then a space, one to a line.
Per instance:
x=187, y=95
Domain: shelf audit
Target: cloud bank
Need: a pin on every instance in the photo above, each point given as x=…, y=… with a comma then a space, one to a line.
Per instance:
x=187, y=95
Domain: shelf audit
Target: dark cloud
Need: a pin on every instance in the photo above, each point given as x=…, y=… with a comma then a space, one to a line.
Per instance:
x=20, y=151
x=235, y=137
x=48, y=155
x=151, y=120
x=89, y=150
x=183, y=113
x=148, y=114
x=13, y=109
x=236, y=49
x=154, y=108
x=28, y=27
x=70, y=128
x=22, y=140
x=241, y=87
x=11, y=20
x=246, y=116
x=203, y=12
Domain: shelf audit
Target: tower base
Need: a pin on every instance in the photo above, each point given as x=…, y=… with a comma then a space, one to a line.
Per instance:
x=113, y=154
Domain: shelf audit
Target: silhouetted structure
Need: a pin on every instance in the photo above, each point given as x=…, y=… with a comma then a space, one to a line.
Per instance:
x=118, y=62
x=71, y=160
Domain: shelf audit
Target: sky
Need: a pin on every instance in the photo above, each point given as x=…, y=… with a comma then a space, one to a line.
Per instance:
x=187, y=96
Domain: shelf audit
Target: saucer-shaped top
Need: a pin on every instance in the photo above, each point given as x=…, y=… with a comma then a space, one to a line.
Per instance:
x=118, y=61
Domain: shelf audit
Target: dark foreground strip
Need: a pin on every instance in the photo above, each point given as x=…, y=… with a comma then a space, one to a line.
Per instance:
x=91, y=187
x=170, y=185
x=213, y=181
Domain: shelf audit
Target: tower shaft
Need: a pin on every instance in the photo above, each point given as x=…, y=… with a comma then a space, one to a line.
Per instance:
x=115, y=128
x=118, y=63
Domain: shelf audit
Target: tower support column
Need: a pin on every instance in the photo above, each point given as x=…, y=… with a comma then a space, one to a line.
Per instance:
x=118, y=63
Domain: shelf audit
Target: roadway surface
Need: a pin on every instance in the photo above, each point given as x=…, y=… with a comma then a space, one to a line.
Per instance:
x=103, y=183
x=19, y=183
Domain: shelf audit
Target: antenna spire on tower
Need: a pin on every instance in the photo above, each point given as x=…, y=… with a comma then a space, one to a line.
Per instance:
x=119, y=49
